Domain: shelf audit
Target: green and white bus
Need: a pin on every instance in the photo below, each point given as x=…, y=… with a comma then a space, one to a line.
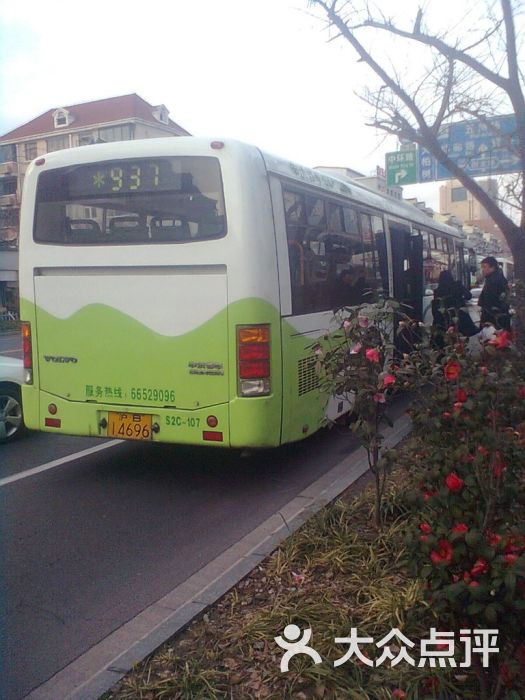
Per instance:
x=172, y=289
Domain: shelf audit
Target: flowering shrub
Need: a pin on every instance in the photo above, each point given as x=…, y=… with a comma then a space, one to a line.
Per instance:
x=467, y=535
x=358, y=365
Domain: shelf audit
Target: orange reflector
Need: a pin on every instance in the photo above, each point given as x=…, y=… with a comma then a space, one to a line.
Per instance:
x=212, y=421
x=53, y=422
x=52, y=408
x=254, y=334
x=212, y=436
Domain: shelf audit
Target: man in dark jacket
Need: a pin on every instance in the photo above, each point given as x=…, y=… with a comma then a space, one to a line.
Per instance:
x=493, y=299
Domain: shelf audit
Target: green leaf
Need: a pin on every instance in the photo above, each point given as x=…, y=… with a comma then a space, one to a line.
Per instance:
x=491, y=613
x=475, y=608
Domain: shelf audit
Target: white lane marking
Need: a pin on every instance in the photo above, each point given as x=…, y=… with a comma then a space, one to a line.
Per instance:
x=58, y=462
x=10, y=352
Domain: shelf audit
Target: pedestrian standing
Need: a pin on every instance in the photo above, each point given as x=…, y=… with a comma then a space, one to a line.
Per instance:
x=493, y=299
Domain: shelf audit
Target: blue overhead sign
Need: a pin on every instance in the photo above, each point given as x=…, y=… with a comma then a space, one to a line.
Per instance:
x=480, y=148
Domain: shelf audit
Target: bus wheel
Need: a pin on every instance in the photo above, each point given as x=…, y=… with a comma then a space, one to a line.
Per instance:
x=11, y=419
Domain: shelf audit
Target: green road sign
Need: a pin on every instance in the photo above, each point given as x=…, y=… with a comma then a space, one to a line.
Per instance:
x=401, y=168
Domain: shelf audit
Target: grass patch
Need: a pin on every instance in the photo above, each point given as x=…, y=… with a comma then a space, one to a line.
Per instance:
x=336, y=572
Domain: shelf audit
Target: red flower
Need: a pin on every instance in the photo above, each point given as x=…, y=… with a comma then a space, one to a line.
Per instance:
x=493, y=539
x=457, y=407
x=427, y=495
x=483, y=451
x=474, y=584
x=480, y=567
x=452, y=370
x=372, y=355
x=425, y=527
x=454, y=483
x=501, y=340
x=379, y=397
x=443, y=555
x=423, y=538
x=461, y=528
x=398, y=693
x=388, y=380
x=461, y=395
x=515, y=545
x=498, y=465
x=510, y=559
x=484, y=370
x=521, y=392
x=446, y=415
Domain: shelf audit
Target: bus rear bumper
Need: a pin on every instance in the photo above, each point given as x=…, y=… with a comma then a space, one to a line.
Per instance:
x=205, y=426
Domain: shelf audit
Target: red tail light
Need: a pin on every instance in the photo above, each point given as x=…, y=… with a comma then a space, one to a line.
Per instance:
x=253, y=360
x=27, y=349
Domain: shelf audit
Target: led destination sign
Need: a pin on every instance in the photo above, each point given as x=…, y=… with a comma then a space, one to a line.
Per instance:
x=149, y=175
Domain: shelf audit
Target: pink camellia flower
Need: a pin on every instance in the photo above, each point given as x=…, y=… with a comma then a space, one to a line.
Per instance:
x=452, y=370
x=425, y=527
x=454, y=482
x=480, y=567
x=346, y=324
x=379, y=397
x=498, y=465
x=443, y=554
x=318, y=350
x=399, y=694
x=388, y=380
x=461, y=395
x=493, y=538
x=457, y=407
x=460, y=528
x=501, y=340
x=372, y=355
x=363, y=321
x=483, y=450
x=446, y=415
x=510, y=559
x=474, y=584
x=356, y=349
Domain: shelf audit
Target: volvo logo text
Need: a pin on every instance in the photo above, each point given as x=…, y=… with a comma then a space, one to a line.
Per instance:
x=60, y=358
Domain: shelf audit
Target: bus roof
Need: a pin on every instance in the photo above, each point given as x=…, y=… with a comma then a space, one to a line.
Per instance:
x=356, y=191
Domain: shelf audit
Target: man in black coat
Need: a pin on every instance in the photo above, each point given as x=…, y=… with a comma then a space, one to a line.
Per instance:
x=493, y=299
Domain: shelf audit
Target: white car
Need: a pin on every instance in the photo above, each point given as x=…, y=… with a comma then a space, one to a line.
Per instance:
x=11, y=419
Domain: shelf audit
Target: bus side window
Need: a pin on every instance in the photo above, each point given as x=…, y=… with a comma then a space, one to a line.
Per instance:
x=370, y=267
x=382, y=255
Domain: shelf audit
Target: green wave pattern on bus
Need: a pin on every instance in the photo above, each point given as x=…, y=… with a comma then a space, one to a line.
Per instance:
x=117, y=357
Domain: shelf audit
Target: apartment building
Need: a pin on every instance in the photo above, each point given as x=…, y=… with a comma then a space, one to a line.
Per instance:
x=120, y=118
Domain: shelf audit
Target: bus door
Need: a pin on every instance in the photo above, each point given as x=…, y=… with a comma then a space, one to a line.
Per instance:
x=407, y=267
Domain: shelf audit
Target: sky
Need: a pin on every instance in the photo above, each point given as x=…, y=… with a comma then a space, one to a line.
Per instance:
x=262, y=71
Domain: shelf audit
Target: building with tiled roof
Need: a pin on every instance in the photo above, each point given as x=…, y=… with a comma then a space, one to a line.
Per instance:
x=120, y=118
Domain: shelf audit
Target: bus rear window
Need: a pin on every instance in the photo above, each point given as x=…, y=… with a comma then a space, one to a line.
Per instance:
x=144, y=200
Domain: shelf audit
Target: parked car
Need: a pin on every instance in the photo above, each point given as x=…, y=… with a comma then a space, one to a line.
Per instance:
x=11, y=417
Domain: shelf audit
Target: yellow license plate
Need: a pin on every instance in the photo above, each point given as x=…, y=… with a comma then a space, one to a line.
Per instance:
x=129, y=426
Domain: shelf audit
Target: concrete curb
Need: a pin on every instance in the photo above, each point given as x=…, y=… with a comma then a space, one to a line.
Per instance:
x=98, y=669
